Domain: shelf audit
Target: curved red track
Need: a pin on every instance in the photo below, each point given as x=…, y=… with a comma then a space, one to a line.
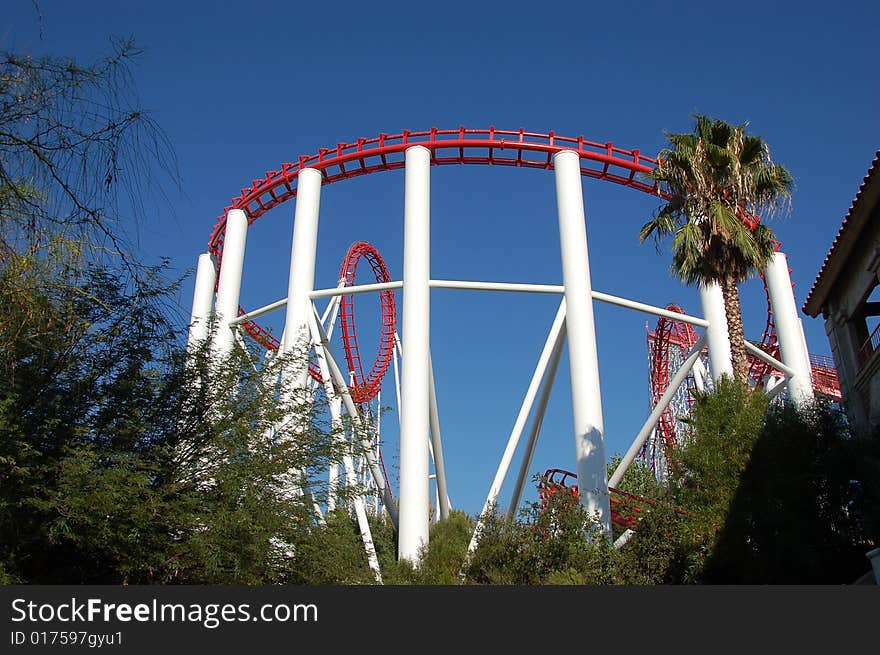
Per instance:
x=490, y=146
x=385, y=152
x=365, y=387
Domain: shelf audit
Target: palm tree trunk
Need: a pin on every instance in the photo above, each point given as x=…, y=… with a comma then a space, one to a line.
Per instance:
x=735, y=330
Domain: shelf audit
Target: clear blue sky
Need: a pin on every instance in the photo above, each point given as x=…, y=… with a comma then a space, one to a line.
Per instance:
x=241, y=88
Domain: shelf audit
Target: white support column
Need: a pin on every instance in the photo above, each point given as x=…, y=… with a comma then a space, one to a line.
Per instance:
x=437, y=447
x=583, y=358
x=229, y=286
x=701, y=376
x=677, y=380
x=203, y=301
x=415, y=383
x=789, y=330
x=537, y=422
x=718, y=337
x=552, y=345
x=358, y=428
x=302, y=272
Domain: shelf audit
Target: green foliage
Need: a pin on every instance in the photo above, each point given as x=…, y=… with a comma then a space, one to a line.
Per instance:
x=542, y=545
x=805, y=509
x=332, y=554
x=123, y=458
x=442, y=561
x=707, y=468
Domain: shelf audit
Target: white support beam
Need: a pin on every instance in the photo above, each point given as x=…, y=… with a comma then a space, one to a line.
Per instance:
x=674, y=384
x=649, y=309
x=557, y=328
x=537, y=422
x=589, y=430
x=717, y=335
x=775, y=363
x=437, y=448
x=203, y=301
x=229, y=285
x=356, y=289
x=789, y=330
x=415, y=383
x=301, y=281
x=509, y=287
x=343, y=393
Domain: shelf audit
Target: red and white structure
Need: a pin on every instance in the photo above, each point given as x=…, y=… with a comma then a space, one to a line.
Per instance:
x=671, y=340
x=569, y=160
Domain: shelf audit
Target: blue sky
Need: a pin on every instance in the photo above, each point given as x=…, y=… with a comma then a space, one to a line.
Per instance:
x=240, y=89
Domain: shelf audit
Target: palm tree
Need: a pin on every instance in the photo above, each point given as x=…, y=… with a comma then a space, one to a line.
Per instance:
x=717, y=182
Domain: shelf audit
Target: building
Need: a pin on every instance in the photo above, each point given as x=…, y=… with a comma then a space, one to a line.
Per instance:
x=847, y=295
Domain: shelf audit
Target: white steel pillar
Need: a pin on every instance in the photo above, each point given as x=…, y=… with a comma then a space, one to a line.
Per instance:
x=203, y=300
x=229, y=286
x=302, y=272
x=415, y=383
x=436, y=449
x=718, y=337
x=583, y=358
x=789, y=329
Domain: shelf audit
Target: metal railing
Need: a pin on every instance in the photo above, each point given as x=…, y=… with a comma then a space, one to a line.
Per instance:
x=871, y=344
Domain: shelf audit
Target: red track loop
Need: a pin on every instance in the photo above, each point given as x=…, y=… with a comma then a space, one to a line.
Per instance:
x=364, y=388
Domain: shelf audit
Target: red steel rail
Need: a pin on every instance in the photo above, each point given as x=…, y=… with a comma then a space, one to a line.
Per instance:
x=625, y=507
x=492, y=147
x=667, y=333
x=365, y=387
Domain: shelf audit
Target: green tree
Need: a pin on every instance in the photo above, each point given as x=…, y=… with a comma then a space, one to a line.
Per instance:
x=717, y=181
x=122, y=457
x=804, y=510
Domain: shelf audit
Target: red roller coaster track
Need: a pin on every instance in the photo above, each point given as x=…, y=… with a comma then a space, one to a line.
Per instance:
x=365, y=387
x=625, y=507
x=603, y=161
x=491, y=147
x=677, y=334
x=667, y=334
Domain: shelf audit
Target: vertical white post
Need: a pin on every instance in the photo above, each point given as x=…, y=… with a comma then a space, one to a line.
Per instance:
x=378, y=452
x=720, y=360
x=203, y=300
x=302, y=272
x=229, y=286
x=583, y=358
x=414, y=410
x=789, y=330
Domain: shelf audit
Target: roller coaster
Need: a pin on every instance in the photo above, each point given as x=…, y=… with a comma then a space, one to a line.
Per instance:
x=680, y=360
